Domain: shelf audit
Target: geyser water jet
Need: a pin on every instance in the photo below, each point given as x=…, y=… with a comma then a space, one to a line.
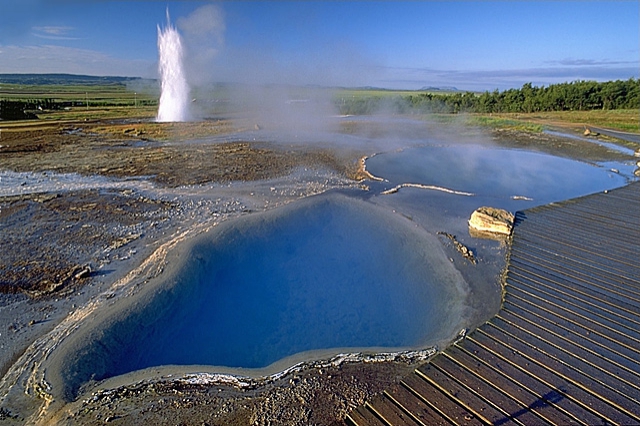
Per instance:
x=174, y=97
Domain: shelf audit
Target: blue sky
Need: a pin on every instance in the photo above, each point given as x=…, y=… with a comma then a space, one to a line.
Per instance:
x=472, y=45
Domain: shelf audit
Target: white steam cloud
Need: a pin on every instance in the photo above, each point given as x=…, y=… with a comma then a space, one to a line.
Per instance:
x=203, y=36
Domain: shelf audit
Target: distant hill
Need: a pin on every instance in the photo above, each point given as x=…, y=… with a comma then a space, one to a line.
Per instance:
x=439, y=89
x=63, y=79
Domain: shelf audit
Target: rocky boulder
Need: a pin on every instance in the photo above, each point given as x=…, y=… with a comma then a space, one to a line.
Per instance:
x=491, y=220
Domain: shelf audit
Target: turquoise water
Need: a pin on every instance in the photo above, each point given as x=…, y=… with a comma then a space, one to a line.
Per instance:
x=329, y=272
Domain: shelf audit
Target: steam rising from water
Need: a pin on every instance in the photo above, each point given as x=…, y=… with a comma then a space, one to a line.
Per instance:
x=174, y=98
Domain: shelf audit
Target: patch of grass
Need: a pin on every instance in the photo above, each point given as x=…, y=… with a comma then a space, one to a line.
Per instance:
x=96, y=113
x=505, y=123
x=620, y=119
x=447, y=118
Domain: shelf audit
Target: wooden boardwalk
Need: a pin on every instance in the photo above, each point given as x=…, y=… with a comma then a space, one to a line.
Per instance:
x=565, y=347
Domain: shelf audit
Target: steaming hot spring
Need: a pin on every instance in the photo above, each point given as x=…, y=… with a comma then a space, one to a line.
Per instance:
x=329, y=274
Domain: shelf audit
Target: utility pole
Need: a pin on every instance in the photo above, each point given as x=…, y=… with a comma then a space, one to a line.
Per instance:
x=86, y=99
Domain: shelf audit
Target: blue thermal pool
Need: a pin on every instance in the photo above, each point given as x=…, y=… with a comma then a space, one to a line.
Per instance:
x=329, y=272
x=496, y=175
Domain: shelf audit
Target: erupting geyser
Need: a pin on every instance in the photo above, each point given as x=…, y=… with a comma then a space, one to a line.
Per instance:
x=174, y=97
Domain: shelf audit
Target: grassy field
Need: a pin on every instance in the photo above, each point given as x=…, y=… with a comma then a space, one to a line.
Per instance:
x=512, y=123
x=112, y=101
x=85, y=101
x=623, y=120
x=112, y=93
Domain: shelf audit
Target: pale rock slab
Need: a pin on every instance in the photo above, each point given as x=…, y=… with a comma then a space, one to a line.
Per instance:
x=493, y=220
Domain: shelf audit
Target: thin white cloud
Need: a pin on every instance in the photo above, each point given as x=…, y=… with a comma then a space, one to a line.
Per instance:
x=53, y=32
x=60, y=59
x=507, y=78
x=571, y=62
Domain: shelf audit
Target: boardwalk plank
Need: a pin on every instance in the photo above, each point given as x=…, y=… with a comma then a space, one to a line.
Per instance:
x=585, y=250
x=579, y=273
x=520, y=282
x=537, y=395
x=619, y=218
x=361, y=416
x=598, y=205
x=491, y=386
x=566, y=221
x=389, y=412
x=421, y=412
x=616, y=230
x=583, y=361
x=578, y=283
x=577, y=214
x=606, y=346
x=571, y=399
x=432, y=395
x=621, y=278
x=462, y=395
x=560, y=376
x=598, y=312
x=574, y=318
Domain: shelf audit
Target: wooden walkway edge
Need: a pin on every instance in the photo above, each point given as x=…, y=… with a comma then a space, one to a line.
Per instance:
x=564, y=348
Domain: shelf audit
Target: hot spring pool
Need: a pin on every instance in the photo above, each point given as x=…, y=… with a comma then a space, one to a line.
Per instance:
x=497, y=175
x=329, y=272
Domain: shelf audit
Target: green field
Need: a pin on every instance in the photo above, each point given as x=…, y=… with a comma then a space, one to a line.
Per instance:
x=81, y=97
x=620, y=119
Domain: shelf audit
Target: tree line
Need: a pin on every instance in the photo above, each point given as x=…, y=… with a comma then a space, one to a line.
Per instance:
x=572, y=96
x=16, y=110
x=27, y=109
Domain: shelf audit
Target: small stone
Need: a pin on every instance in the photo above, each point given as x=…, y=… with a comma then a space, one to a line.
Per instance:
x=83, y=273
